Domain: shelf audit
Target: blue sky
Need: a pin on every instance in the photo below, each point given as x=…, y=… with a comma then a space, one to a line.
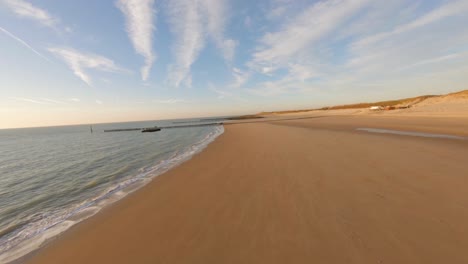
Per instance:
x=68, y=62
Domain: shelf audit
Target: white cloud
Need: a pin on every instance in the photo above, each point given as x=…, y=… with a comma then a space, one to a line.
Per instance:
x=22, y=42
x=301, y=72
x=28, y=100
x=106, y=81
x=25, y=9
x=429, y=39
x=440, y=59
x=216, y=15
x=80, y=63
x=170, y=101
x=40, y=101
x=448, y=10
x=248, y=22
x=298, y=47
x=139, y=16
x=228, y=48
x=186, y=25
x=221, y=93
x=298, y=36
x=335, y=46
x=76, y=100
x=99, y=102
x=52, y=101
x=240, y=77
x=378, y=15
x=68, y=29
x=277, y=12
x=191, y=22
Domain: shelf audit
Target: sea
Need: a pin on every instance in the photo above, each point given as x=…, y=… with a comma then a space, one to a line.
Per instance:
x=54, y=177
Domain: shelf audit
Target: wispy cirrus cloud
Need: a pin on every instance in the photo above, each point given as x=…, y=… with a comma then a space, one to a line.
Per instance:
x=81, y=62
x=292, y=53
x=40, y=101
x=340, y=45
x=22, y=42
x=186, y=25
x=221, y=93
x=139, y=17
x=192, y=22
x=27, y=10
x=28, y=100
x=240, y=77
x=170, y=101
x=298, y=36
x=215, y=12
x=404, y=47
x=436, y=60
x=449, y=9
x=53, y=101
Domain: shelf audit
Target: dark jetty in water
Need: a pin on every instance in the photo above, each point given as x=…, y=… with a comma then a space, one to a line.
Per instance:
x=156, y=128
x=150, y=129
x=122, y=129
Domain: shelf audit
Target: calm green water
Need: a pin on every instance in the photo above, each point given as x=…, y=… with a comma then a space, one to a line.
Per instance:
x=52, y=178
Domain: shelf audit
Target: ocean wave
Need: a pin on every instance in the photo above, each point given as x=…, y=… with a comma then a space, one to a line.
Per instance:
x=23, y=239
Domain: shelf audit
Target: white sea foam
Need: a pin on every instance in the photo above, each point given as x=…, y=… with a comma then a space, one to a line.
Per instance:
x=33, y=235
x=26, y=246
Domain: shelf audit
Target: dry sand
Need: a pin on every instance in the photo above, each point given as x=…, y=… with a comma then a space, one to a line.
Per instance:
x=300, y=191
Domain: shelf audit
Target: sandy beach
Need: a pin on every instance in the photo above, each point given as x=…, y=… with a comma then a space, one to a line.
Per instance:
x=233, y=132
x=304, y=190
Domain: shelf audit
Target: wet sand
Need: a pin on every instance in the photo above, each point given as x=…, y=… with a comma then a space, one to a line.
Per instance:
x=309, y=190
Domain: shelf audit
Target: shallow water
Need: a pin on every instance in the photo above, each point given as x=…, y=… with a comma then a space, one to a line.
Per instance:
x=52, y=178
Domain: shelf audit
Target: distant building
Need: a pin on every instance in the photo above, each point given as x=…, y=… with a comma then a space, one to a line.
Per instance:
x=376, y=108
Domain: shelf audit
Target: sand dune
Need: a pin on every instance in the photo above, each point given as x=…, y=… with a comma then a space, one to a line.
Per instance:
x=449, y=105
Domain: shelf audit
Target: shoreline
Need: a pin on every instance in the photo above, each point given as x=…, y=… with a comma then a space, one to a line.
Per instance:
x=178, y=207
x=90, y=208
